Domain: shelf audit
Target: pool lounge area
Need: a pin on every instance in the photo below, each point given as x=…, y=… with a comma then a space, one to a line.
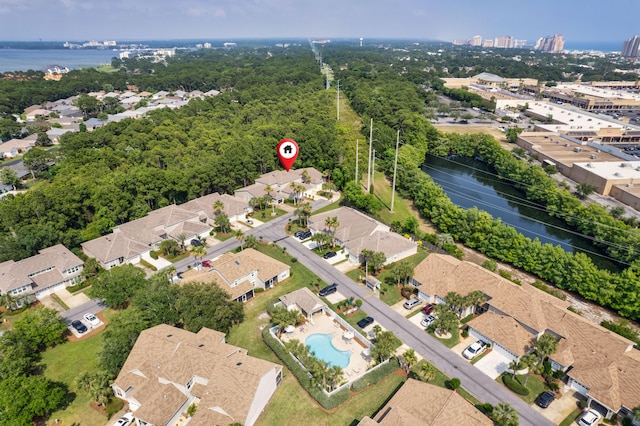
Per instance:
x=333, y=344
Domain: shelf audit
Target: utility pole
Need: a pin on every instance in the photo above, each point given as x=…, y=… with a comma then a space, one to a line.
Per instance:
x=357, y=140
x=395, y=168
x=369, y=163
x=373, y=166
x=338, y=104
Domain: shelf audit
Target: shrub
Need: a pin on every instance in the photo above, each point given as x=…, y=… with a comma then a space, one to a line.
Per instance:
x=258, y=290
x=514, y=385
x=359, y=303
x=465, y=333
x=552, y=291
x=453, y=383
x=153, y=254
x=294, y=259
x=374, y=376
x=148, y=265
x=491, y=265
x=77, y=287
x=582, y=404
x=504, y=274
x=486, y=408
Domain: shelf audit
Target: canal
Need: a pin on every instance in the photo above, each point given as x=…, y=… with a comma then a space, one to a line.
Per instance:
x=468, y=183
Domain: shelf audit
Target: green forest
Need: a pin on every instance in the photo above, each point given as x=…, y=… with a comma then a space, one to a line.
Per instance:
x=124, y=170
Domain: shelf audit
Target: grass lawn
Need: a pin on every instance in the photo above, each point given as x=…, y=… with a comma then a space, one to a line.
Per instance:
x=265, y=215
x=450, y=342
x=402, y=208
x=535, y=384
x=571, y=418
x=328, y=207
x=64, y=363
x=292, y=405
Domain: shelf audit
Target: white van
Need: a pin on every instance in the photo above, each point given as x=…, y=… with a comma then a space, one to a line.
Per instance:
x=411, y=303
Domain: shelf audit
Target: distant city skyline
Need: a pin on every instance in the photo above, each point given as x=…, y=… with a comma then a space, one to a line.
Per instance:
x=55, y=20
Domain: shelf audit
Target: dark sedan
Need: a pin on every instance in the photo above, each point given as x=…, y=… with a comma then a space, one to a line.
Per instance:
x=364, y=322
x=545, y=398
x=79, y=326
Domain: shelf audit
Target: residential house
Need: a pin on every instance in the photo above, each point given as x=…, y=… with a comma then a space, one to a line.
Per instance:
x=129, y=242
x=169, y=369
x=54, y=268
x=239, y=274
x=599, y=364
x=14, y=147
x=357, y=231
x=305, y=301
x=421, y=404
x=37, y=114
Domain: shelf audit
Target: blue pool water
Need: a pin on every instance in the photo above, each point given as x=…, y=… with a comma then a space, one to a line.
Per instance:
x=321, y=346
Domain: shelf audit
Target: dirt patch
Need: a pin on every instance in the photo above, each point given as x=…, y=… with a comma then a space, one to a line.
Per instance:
x=471, y=128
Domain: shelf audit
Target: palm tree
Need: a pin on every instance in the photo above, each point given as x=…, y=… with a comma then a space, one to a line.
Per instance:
x=534, y=364
x=181, y=237
x=427, y=371
x=96, y=384
x=218, y=206
x=409, y=358
x=443, y=240
x=250, y=241
x=240, y=237
x=455, y=302
x=294, y=188
x=170, y=271
x=545, y=346
x=504, y=415
x=198, y=252
x=474, y=299
x=334, y=376
x=514, y=366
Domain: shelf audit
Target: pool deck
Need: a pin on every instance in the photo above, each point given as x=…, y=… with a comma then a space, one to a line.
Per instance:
x=324, y=324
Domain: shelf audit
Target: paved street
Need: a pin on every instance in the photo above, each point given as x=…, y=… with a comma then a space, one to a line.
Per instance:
x=472, y=379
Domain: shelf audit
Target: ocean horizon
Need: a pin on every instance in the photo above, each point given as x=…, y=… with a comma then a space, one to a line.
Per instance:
x=36, y=59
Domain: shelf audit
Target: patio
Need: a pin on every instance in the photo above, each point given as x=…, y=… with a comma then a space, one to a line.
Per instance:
x=324, y=324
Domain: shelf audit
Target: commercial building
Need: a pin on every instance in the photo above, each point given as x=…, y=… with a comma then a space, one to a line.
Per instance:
x=552, y=44
x=631, y=47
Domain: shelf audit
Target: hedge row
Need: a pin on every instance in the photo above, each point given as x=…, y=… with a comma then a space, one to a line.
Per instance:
x=514, y=385
x=301, y=374
x=374, y=376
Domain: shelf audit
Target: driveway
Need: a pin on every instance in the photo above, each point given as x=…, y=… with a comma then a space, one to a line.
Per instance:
x=561, y=407
x=493, y=364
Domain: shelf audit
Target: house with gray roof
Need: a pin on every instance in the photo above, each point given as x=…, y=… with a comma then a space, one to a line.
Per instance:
x=357, y=231
x=169, y=369
x=240, y=274
x=129, y=242
x=305, y=301
x=52, y=269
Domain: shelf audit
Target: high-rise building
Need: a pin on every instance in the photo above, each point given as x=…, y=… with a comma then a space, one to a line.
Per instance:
x=631, y=47
x=550, y=44
x=503, y=42
x=476, y=41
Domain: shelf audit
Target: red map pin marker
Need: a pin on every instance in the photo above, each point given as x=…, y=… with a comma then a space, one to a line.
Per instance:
x=287, y=153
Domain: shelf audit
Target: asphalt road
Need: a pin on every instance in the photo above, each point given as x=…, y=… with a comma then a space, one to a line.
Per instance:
x=472, y=379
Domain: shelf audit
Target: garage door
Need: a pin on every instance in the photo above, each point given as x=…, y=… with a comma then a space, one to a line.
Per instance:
x=504, y=351
x=582, y=389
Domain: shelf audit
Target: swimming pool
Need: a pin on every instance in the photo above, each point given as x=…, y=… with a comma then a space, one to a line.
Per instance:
x=321, y=346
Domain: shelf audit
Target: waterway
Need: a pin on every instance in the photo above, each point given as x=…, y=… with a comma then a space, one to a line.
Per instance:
x=36, y=59
x=471, y=183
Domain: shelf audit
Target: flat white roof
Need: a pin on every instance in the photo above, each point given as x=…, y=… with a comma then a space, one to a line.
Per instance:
x=572, y=118
x=613, y=170
x=599, y=92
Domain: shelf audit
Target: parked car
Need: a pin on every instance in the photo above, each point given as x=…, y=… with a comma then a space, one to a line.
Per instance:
x=92, y=319
x=474, y=350
x=329, y=255
x=589, y=418
x=545, y=398
x=206, y=263
x=428, y=308
x=125, y=420
x=305, y=235
x=79, y=326
x=196, y=243
x=364, y=322
x=298, y=233
x=249, y=221
x=427, y=321
x=412, y=303
x=332, y=288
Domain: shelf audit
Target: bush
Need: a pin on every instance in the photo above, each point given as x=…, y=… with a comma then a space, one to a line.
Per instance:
x=514, y=385
x=491, y=265
x=328, y=402
x=359, y=303
x=552, y=291
x=486, y=408
x=582, y=404
x=153, y=254
x=258, y=290
x=294, y=259
x=465, y=333
x=453, y=384
x=148, y=265
x=78, y=287
x=374, y=376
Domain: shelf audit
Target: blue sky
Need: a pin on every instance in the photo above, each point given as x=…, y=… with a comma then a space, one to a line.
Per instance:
x=577, y=20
